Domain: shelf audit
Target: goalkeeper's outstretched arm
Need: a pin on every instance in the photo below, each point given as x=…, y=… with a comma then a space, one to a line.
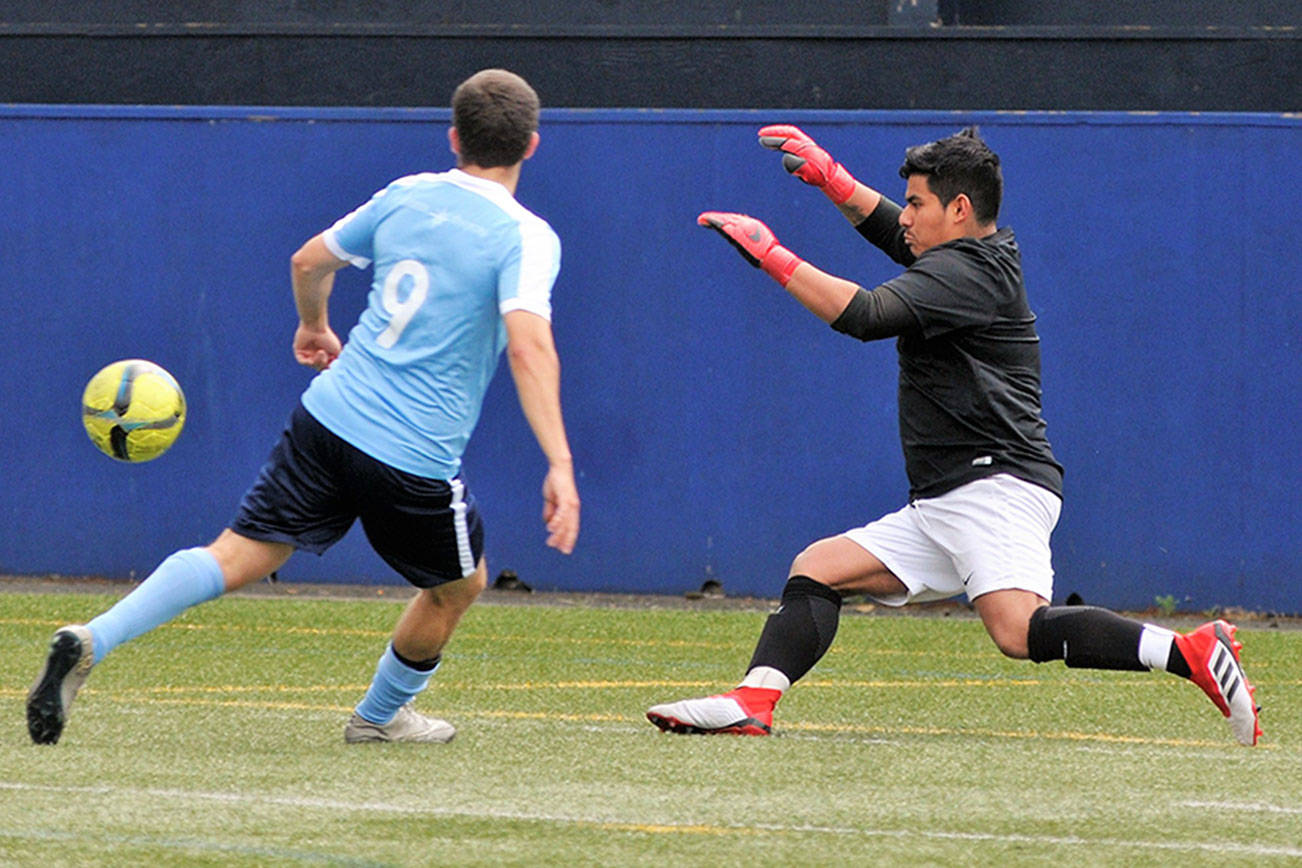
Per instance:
x=874, y=216
x=803, y=158
x=841, y=303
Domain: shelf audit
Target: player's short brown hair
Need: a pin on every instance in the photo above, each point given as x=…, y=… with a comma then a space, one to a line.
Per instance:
x=961, y=163
x=495, y=113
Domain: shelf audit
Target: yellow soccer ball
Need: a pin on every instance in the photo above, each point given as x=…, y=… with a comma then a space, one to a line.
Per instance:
x=133, y=410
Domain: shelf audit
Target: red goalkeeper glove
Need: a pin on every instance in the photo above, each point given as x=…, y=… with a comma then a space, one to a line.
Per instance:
x=808, y=162
x=755, y=242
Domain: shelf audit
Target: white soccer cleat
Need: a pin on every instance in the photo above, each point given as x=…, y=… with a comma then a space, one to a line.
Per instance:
x=408, y=725
x=711, y=715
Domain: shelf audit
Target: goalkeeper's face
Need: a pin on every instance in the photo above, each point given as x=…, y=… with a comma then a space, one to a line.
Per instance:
x=926, y=221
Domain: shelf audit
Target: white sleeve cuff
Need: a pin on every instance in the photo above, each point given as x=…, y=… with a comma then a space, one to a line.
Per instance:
x=332, y=244
x=541, y=307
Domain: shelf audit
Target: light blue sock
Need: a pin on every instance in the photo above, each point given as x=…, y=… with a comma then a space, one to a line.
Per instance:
x=186, y=578
x=394, y=685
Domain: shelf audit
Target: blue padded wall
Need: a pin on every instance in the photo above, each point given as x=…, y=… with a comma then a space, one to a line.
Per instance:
x=717, y=426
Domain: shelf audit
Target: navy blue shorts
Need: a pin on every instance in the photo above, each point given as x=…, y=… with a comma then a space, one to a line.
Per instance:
x=315, y=485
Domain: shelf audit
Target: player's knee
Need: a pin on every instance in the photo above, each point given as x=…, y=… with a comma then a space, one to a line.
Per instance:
x=1010, y=632
x=813, y=563
x=801, y=564
x=458, y=596
x=1011, y=641
x=476, y=582
x=244, y=560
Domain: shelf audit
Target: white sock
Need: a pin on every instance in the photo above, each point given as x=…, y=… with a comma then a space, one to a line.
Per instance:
x=1155, y=646
x=766, y=677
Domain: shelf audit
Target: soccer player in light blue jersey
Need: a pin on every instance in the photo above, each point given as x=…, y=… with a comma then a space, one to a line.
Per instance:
x=462, y=272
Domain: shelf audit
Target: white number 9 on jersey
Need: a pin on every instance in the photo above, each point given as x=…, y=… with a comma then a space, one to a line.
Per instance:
x=400, y=312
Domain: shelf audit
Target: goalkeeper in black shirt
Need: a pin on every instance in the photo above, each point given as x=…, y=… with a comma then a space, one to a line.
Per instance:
x=984, y=487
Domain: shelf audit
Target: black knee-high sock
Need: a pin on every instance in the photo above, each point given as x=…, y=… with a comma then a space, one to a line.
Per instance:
x=801, y=630
x=1086, y=637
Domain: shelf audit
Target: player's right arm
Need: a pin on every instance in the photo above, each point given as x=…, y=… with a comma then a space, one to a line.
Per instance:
x=312, y=273
x=536, y=369
x=803, y=158
x=875, y=216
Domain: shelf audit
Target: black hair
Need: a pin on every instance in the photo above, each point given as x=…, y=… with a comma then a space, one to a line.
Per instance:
x=961, y=163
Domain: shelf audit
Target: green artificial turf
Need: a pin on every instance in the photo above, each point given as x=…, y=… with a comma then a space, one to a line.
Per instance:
x=218, y=740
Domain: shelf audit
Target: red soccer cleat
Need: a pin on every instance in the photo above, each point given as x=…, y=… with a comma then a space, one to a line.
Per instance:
x=744, y=711
x=1212, y=653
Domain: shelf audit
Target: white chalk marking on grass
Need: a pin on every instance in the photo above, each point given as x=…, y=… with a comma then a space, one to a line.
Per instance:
x=246, y=799
x=1247, y=807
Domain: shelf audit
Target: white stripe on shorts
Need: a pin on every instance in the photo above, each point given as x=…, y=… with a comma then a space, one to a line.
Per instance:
x=463, y=530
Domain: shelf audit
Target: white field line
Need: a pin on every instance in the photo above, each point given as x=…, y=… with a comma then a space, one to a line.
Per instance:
x=1247, y=807
x=614, y=824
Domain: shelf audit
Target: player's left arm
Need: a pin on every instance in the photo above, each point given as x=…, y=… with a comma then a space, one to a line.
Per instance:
x=312, y=274
x=843, y=304
x=536, y=369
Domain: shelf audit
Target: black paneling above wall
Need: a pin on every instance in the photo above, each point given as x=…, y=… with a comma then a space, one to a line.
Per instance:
x=644, y=13
x=1110, y=13
x=935, y=69
x=444, y=13
x=1215, y=55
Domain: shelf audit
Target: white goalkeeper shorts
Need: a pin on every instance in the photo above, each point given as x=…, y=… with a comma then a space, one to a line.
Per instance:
x=988, y=535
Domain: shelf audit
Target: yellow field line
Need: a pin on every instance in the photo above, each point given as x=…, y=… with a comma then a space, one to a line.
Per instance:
x=470, y=635
x=384, y=634
x=620, y=685
x=344, y=709
x=166, y=690
x=668, y=684
x=249, y=703
x=826, y=728
x=604, y=640
x=698, y=829
x=228, y=628
x=1111, y=738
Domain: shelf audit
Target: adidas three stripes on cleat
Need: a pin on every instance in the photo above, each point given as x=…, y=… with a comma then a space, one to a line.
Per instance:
x=1212, y=653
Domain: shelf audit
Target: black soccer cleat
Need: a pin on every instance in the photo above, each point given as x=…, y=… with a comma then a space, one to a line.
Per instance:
x=66, y=668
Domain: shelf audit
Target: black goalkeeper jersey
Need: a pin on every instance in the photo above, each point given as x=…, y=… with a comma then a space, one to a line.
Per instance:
x=969, y=395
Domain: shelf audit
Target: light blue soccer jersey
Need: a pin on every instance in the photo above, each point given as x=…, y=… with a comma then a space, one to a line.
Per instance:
x=453, y=253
